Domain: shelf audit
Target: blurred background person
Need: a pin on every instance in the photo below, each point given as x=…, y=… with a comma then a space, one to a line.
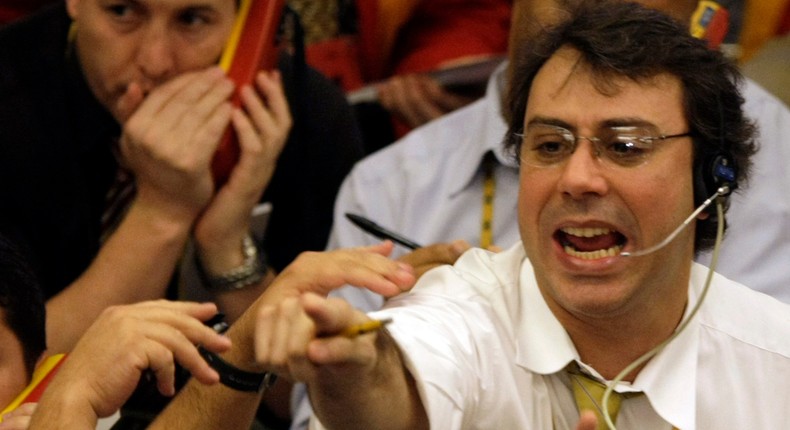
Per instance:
x=397, y=47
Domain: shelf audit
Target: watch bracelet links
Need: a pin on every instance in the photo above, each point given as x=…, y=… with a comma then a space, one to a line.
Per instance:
x=235, y=378
x=250, y=272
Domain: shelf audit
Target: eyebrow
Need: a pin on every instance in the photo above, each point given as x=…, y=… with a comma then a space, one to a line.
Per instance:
x=541, y=120
x=609, y=123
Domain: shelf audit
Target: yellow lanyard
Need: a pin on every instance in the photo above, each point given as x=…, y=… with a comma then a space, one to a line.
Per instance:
x=489, y=185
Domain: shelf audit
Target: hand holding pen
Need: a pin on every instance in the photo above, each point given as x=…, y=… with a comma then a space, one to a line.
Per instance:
x=355, y=330
x=297, y=334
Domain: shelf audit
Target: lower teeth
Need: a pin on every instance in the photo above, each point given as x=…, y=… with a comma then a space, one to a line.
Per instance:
x=594, y=255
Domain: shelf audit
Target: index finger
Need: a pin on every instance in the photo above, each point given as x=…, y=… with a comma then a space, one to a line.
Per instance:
x=322, y=272
x=438, y=253
x=165, y=92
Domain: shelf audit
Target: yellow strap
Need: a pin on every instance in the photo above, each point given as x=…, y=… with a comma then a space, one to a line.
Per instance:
x=489, y=186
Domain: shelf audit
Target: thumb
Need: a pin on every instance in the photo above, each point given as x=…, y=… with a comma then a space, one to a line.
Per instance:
x=587, y=421
x=330, y=316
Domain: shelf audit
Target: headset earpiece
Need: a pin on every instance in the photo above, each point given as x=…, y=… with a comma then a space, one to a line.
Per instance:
x=723, y=172
x=713, y=172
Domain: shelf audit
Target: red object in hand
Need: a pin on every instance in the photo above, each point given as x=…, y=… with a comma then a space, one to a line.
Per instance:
x=251, y=48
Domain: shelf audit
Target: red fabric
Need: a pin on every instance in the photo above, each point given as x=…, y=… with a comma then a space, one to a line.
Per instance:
x=13, y=9
x=344, y=58
x=337, y=59
x=368, y=47
x=461, y=27
x=784, y=25
x=438, y=31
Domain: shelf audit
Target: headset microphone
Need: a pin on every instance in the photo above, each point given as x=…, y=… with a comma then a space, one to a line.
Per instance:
x=722, y=191
x=718, y=171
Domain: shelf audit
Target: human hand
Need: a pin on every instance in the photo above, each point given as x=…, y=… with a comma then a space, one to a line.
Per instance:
x=19, y=418
x=299, y=336
x=364, y=267
x=417, y=98
x=587, y=421
x=169, y=139
x=284, y=327
x=262, y=129
x=428, y=257
x=105, y=366
x=320, y=273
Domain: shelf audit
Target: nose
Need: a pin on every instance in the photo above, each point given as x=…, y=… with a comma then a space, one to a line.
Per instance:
x=583, y=175
x=156, y=54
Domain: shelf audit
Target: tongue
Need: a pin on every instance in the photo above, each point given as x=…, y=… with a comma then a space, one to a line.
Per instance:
x=586, y=244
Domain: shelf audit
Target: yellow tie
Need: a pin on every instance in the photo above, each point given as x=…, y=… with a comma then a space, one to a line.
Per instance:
x=589, y=395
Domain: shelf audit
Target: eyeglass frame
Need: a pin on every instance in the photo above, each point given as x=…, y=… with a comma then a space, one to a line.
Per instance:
x=599, y=145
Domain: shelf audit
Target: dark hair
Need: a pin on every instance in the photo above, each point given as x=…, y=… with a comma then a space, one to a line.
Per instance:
x=23, y=302
x=622, y=39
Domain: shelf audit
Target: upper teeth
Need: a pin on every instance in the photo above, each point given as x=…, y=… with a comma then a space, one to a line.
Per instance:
x=586, y=232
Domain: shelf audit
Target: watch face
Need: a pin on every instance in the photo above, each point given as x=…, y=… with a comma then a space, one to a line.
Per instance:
x=250, y=272
x=217, y=323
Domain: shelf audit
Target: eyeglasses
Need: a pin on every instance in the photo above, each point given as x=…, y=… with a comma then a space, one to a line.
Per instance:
x=545, y=145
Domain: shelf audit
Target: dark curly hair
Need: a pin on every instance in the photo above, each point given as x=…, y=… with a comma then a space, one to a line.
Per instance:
x=621, y=39
x=22, y=301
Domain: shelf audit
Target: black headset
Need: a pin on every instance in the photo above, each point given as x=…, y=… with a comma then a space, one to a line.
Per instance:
x=711, y=173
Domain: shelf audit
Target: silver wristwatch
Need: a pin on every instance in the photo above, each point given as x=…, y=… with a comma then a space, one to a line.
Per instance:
x=251, y=271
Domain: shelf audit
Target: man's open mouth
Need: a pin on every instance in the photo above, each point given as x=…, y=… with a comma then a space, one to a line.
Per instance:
x=590, y=243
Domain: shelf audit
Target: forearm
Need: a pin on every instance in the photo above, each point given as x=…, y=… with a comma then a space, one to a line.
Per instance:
x=217, y=406
x=208, y=407
x=61, y=410
x=234, y=303
x=135, y=264
x=384, y=398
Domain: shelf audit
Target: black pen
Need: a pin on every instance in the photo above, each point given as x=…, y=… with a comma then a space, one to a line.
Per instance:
x=380, y=232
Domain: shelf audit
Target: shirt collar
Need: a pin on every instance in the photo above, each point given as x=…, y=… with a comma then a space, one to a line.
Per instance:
x=668, y=380
x=487, y=135
x=550, y=349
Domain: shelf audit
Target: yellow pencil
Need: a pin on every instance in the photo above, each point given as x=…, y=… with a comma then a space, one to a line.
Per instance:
x=366, y=327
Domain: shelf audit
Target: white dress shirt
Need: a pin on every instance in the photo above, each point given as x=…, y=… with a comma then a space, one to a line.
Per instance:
x=487, y=353
x=428, y=187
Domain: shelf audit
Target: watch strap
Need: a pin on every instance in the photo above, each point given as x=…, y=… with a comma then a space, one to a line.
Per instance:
x=238, y=379
x=250, y=272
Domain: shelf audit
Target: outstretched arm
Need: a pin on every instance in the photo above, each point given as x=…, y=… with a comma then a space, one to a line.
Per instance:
x=354, y=382
x=220, y=407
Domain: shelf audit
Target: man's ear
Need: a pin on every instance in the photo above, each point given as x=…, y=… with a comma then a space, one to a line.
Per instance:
x=71, y=7
x=703, y=216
